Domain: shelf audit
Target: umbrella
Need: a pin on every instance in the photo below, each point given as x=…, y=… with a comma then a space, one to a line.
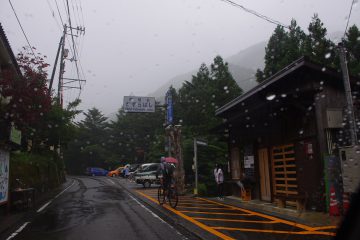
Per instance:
x=171, y=160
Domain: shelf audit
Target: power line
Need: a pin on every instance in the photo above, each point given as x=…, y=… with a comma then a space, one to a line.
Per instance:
x=73, y=42
x=22, y=29
x=57, y=6
x=348, y=19
x=268, y=19
x=82, y=15
x=53, y=14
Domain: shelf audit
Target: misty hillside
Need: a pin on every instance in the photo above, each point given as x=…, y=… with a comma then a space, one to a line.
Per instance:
x=242, y=66
x=251, y=57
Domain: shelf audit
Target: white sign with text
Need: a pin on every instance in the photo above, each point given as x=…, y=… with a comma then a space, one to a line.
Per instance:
x=4, y=176
x=139, y=104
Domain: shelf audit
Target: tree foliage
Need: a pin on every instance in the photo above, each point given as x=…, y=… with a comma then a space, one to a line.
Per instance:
x=285, y=47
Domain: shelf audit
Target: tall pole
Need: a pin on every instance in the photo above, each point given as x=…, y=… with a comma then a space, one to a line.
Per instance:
x=196, y=167
x=349, y=100
x=62, y=69
x=55, y=64
x=178, y=156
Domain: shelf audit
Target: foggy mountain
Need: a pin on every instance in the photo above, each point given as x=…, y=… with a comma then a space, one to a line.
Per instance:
x=242, y=66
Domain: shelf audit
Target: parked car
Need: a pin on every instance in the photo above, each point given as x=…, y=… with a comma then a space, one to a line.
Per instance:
x=133, y=169
x=115, y=173
x=95, y=171
x=147, y=174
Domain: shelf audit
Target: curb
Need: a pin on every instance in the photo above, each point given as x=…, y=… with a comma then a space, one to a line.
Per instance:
x=233, y=202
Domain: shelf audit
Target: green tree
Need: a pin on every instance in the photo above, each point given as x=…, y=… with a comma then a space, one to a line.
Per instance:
x=284, y=47
x=198, y=100
x=320, y=49
x=352, y=45
x=275, y=52
x=225, y=86
x=295, y=43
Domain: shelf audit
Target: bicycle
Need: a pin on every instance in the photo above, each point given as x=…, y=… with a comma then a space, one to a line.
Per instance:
x=170, y=194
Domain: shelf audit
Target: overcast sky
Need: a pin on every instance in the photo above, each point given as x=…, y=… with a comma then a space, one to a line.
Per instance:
x=135, y=46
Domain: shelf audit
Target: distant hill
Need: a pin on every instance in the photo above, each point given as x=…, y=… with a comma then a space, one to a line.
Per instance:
x=242, y=66
x=251, y=57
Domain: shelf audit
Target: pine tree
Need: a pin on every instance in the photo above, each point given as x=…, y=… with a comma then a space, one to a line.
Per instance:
x=320, y=49
x=294, y=44
x=225, y=86
x=275, y=52
x=352, y=45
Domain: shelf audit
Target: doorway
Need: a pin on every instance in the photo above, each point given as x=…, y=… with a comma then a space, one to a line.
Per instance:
x=264, y=174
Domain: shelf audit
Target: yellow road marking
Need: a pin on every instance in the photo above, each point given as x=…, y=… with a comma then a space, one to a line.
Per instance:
x=235, y=220
x=197, y=223
x=218, y=213
x=200, y=207
x=324, y=227
x=273, y=231
x=196, y=204
x=192, y=202
x=264, y=216
x=309, y=230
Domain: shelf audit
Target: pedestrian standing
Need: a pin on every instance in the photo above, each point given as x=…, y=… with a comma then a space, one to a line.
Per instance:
x=220, y=182
x=127, y=172
x=215, y=172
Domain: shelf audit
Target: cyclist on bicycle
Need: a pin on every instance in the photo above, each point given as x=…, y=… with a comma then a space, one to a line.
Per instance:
x=167, y=171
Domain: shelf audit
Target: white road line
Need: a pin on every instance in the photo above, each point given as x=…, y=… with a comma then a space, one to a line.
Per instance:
x=17, y=231
x=148, y=210
x=49, y=202
x=65, y=189
x=44, y=206
x=111, y=181
x=155, y=215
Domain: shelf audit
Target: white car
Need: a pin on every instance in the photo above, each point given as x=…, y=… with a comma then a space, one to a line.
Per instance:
x=148, y=174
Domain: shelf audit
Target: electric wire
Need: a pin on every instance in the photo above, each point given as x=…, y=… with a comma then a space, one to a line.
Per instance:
x=82, y=14
x=22, y=29
x=73, y=42
x=348, y=19
x=53, y=14
x=57, y=6
x=268, y=19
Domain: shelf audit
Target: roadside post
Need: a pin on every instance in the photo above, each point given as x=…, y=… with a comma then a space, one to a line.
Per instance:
x=201, y=143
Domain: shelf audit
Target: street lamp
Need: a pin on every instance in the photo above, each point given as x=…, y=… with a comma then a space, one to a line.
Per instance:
x=201, y=143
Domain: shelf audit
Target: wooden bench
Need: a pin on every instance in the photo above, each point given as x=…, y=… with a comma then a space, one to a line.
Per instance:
x=299, y=199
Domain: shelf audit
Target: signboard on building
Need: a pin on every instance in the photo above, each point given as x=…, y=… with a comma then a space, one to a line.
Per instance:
x=4, y=176
x=139, y=104
x=15, y=135
x=248, y=161
x=169, y=108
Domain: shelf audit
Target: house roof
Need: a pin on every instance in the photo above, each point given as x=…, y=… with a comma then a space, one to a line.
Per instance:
x=299, y=63
x=5, y=45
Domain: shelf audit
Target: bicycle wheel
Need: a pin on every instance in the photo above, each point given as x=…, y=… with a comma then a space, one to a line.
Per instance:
x=161, y=196
x=173, y=197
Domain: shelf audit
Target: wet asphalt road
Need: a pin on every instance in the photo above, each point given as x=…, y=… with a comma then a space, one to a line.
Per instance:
x=97, y=208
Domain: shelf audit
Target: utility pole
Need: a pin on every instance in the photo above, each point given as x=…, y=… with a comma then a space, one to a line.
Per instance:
x=173, y=133
x=62, y=70
x=201, y=143
x=349, y=100
x=195, y=167
x=63, y=52
x=55, y=64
